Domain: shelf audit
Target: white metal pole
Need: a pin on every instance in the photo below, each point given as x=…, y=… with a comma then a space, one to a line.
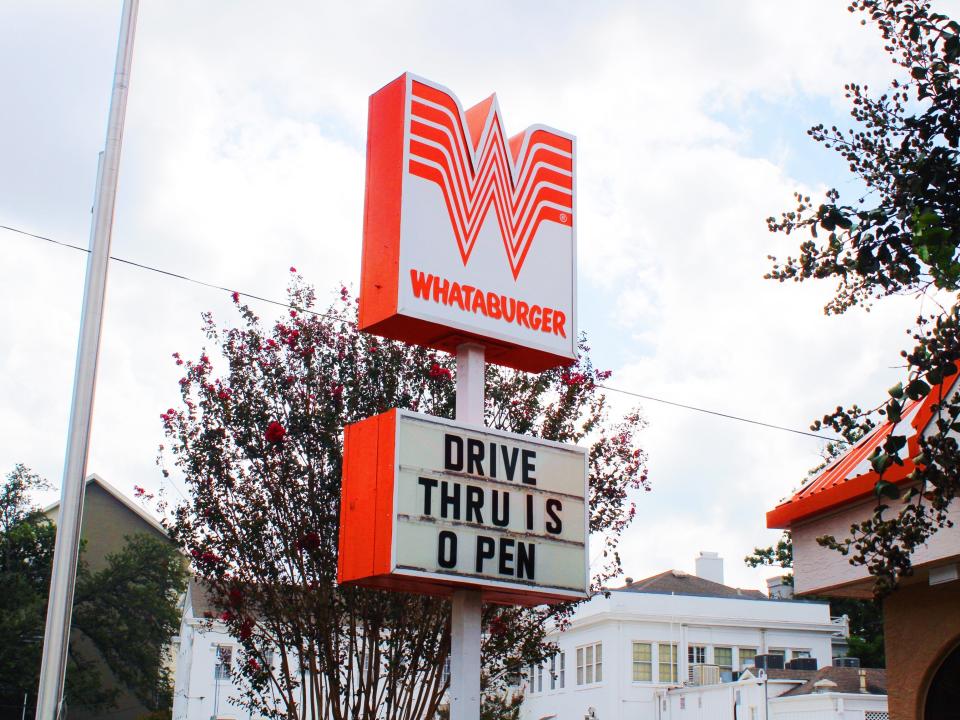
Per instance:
x=60, y=602
x=467, y=604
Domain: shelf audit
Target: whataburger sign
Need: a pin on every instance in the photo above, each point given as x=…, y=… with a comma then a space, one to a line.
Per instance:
x=468, y=234
x=468, y=238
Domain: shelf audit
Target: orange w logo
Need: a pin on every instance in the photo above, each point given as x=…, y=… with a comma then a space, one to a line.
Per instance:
x=528, y=183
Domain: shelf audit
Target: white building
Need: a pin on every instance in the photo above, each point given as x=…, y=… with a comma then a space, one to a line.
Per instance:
x=205, y=654
x=622, y=653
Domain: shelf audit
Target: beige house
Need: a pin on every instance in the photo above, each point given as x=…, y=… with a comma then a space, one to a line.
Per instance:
x=922, y=617
x=109, y=517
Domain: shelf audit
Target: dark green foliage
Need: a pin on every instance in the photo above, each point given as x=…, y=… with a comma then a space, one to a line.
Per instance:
x=900, y=237
x=128, y=609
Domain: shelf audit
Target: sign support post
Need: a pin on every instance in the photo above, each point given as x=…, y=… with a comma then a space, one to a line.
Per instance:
x=466, y=605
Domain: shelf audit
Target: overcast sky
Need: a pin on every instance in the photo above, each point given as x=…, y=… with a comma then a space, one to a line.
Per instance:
x=244, y=155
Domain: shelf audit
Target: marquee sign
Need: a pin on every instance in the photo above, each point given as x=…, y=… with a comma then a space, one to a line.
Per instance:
x=468, y=235
x=430, y=505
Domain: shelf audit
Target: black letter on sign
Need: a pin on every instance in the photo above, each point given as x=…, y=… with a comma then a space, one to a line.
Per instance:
x=525, y=559
x=486, y=549
x=506, y=556
x=501, y=520
x=448, y=499
x=428, y=485
x=509, y=460
x=528, y=467
x=447, y=550
x=529, y=512
x=474, y=457
x=555, y=525
x=474, y=503
x=449, y=443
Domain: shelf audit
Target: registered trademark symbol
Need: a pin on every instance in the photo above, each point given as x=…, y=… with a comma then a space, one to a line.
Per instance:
x=563, y=217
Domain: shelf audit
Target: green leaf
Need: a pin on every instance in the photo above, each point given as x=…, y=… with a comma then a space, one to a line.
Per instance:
x=895, y=443
x=893, y=411
x=918, y=73
x=896, y=391
x=887, y=490
x=880, y=461
x=917, y=389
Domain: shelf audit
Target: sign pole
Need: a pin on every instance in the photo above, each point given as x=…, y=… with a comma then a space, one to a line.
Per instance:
x=467, y=605
x=56, y=636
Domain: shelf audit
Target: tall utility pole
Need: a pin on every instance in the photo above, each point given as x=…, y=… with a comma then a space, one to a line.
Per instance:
x=56, y=637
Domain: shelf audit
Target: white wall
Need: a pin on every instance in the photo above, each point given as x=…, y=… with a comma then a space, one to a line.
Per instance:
x=198, y=694
x=816, y=568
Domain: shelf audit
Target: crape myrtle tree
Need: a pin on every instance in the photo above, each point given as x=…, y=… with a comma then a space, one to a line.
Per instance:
x=900, y=236
x=259, y=444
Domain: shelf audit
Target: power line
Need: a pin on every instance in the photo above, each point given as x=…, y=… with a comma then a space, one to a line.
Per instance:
x=723, y=415
x=280, y=303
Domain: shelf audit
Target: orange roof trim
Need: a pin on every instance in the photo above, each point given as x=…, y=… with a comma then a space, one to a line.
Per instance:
x=851, y=477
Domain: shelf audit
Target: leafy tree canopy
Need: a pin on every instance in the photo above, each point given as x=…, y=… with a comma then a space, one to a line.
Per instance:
x=900, y=236
x=128, y=610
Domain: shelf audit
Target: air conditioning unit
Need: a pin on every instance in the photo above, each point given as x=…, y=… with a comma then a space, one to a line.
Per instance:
x=701, y=674
x=808, y=663
x=846, y=662
x=768, y=662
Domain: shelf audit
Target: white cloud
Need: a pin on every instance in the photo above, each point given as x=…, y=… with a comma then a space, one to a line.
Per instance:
x=244, y=154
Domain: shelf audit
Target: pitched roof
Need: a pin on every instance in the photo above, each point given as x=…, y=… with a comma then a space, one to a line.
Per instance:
x=676, y=582
x=136, y=509
x=847, y=680
x=851, y=477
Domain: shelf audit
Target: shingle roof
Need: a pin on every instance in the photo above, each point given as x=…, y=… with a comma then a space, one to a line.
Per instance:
x=851, y=477
x=847, y=680
x=675, y=582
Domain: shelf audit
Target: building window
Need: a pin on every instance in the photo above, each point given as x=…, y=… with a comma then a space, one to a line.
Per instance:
x=590, y=664
x=696, y=654
x=445, y=678
x=723, y=658
x=563, y=670
x=777, y=651
x=642, y=662
x=540, y=677
x=794, y=654
x=224, y=666
x=553, y=672
x=667, y=662
x=746, y=657
x=530, y=677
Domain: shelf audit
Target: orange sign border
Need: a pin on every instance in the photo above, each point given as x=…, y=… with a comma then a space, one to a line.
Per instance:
x=380, y=263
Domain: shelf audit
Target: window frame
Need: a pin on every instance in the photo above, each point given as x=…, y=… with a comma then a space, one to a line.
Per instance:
x=635, y=664
x=221, y=651
x=672, y=663
x=753, y=657
x=590, y=664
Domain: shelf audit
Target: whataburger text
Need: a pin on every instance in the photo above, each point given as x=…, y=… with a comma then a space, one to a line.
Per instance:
x=468, y=298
